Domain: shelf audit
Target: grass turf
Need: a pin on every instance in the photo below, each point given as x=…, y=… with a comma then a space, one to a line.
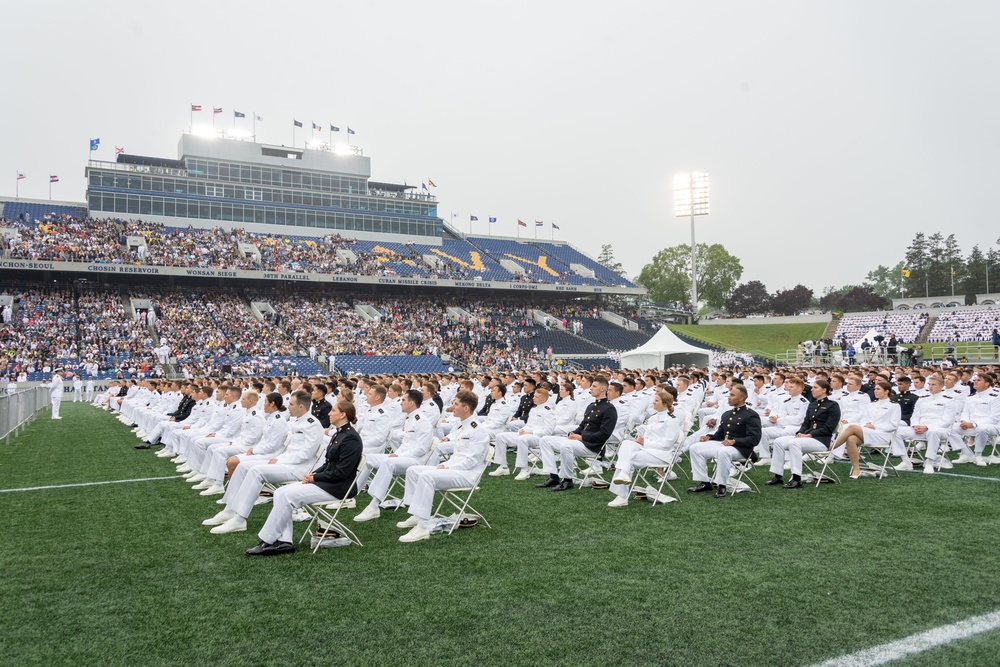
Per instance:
x=125, y=574
x=769, y=339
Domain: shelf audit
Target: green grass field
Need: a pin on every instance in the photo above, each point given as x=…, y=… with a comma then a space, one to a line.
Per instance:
x=769, y=339
x=124, y=574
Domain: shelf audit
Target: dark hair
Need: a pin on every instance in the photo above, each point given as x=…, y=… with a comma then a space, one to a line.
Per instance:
x=275, y=399
x=823, y=384
x=740, y=389
x=416, y=396
x=348, y=410
x=501, y=387
x=468, y=399
x=302, y=398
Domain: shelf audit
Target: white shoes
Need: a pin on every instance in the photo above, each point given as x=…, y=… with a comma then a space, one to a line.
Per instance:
x=416, y=535
x=962, y=458
x=349, y=503
x=409, y=523
x=903, y=465
x=163, y=453
x=369, y=513
x=621, y=479
x=179, y=459
x=523, y=475
x=203, y=484
x=500, y=472
x=763, y=461
x=214, y=490
x=184, y=468
x=197, y=477
x=980, y=461
x=619, y=501
x=928, y=468
x=237, y=524
x=219, y=519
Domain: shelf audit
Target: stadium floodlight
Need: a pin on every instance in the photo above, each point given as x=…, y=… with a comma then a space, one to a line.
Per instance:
x=691, y=199
x=205, y=131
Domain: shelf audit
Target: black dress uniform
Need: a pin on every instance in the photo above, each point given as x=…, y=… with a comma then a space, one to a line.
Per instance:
x=341, y=464
x=742, y=425
x=821, y=420
x=524, y=407
x=598, y=424
x=321, y=411
x=907, y=401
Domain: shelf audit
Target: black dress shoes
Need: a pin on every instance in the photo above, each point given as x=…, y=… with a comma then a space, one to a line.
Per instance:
x=564, y=485
x=273, y=549
x=703, y=486
x=720, y=491
x=777, y=479
x=553, y=480
x=794, y=484
x=144, y=445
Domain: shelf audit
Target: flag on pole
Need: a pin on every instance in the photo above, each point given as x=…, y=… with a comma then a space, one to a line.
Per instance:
x=317, y=127
x=473, y=218
x=216, y=110
x=423, y=185
x=334, y=128
x=492, y=220
x=296, y=123
x=349, y=130
x=118, y=150
x=94, y=143
x=433, y=185
x=53, y=179
x=906, y=273
x=237, y=114
x=539, y=223
x=555, y=226
x=521, y=223
x=195, y=107
x=259, y=119
x=21, y=176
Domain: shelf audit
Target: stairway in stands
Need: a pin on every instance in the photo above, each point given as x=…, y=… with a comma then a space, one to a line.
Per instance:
x=831, y=330
x=925, y=333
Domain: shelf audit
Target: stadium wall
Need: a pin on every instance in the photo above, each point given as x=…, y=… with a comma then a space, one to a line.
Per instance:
x=780, y=319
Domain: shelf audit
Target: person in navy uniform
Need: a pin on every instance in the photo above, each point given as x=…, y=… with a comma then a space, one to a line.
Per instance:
x=905, y=398
x=332, y=481
x=737, y=435
x=520, y=417
x=814, y=435
x=320, y=406
x=587, y=440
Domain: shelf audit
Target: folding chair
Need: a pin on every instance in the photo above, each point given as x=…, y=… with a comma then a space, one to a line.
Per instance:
x=876, y=452
x=811, y=463
x=331, y=523
x=459, y=498
x=395, y=502
x=596, y=467
x=671, y=458
x=737, y=481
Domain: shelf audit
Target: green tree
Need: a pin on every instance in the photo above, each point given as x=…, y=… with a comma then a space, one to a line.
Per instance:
x=974, y=281
x=668, y=275
x=791, y=301
x=749, y=299
x=917, y=263
x=885, y=280
x=608, y=261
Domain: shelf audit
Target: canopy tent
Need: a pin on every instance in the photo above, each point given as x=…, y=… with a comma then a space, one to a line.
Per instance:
x=665, y=349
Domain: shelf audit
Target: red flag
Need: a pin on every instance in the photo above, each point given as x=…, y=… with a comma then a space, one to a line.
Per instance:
x=119, y=151
x=216, y=109
x=522, y=223
x=432, y=183
x=195, y=107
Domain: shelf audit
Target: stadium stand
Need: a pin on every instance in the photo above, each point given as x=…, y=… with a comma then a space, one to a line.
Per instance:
x=29, y=212
x=965, y=325
x=396, y=363
x=611, y=336
x=568, y=255
x=905, y=326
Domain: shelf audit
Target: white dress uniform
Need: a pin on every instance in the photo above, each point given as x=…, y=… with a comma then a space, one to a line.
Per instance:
x=272, y=440
x=496, y=420
x=11, y=388
x=418, y=433
x=374, y=428
x=983, y=410
x=185, y=439
x=885, y=417
x=937, y=412
x=77, y=390
x=720, y=396
x=659, y=443
x=853, y=409
x=541, y=422
x=469, y=443
x=789, y=417
x=89, y=396
x=235, y=418
x=56, y=394
x=305, y=439
x=251, y=431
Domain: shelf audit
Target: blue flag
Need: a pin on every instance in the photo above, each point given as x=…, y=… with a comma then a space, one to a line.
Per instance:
x=555, y=226
x=349, y=130
x=237, y=114
x=493, y=219
x=296, y=123
x=423, y=185
x=334, y=128
x=94, y=143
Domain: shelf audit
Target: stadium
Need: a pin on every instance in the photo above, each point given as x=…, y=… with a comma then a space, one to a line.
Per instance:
x=361, y=363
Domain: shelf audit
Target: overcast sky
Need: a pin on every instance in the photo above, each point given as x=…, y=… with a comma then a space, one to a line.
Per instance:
x=832, y=131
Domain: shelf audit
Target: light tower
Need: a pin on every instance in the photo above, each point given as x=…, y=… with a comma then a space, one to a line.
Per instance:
x=691, y=199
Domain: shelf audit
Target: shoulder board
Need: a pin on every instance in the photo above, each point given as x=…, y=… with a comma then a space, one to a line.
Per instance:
x=381, y=411
x=253, y=413
x=803, y=399
x=547, y=407
x=950, y=398
x=993, y=393
x=416, y=416
x=788, y=399
x=310, y=420
x=277, y=415
x=473, y=424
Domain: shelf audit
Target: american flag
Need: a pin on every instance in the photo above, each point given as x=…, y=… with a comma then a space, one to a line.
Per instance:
x=195, y=107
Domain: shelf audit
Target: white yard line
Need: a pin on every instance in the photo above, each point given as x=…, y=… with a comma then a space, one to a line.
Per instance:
x=955, y=474
x=67, y=486
x=918, y=643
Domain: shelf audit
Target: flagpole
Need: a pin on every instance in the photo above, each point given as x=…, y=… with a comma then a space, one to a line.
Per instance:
x=50, y=188
x=17, y=185
x=553, y=230
x=190, y=118
x=254, y=126
x=293, y=134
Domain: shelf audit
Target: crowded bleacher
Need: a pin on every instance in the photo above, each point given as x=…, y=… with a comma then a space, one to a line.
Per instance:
x=906, y=327
x=965, y=325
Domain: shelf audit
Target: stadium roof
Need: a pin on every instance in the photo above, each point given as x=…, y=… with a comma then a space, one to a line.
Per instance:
x=150, y=161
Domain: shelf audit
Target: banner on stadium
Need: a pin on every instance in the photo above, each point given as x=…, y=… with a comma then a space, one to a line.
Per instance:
x=194, y=272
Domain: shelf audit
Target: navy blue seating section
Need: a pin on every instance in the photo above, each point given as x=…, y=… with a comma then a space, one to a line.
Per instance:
x=539, y=267
x=593, y=363
x=398, y=257
x=281, y=364
x=466, y=260
x=396, y=363
x=560, y=341
x=611, y=336
x=14, y=210
x=567, y=255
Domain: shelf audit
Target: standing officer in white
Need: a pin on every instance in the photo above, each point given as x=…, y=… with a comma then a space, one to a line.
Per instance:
x=77, y=389
x=56, y=392
x=469, y=444
x=90, y=390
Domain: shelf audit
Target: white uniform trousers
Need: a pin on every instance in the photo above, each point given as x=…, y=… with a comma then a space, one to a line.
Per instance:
x=185, y=440
x=524, y=445
x=632, y=455
x=791, y=448
x=500, y=445
x=248, y=480
x=89, y=396
x=959, y=438
x=770, y=433
x=387, y=468
x=279, y=522
x=932, y=436
x=56, y=401
x=713, y=449
x=77, y=394
x=693, y=438
x=514, y=425
x=422, y=481
x=213, y=465
x=199, y=451
x=568, y=451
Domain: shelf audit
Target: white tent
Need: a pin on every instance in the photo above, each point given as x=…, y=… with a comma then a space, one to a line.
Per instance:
x=665, y=349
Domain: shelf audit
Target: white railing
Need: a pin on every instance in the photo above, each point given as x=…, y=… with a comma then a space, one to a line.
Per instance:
x=19, y=409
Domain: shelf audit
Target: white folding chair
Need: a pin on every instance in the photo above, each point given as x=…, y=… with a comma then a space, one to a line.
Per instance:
x=459, y=499
x=392, y=501
x=327, y=521
x=738, y=477
x=661, y=473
